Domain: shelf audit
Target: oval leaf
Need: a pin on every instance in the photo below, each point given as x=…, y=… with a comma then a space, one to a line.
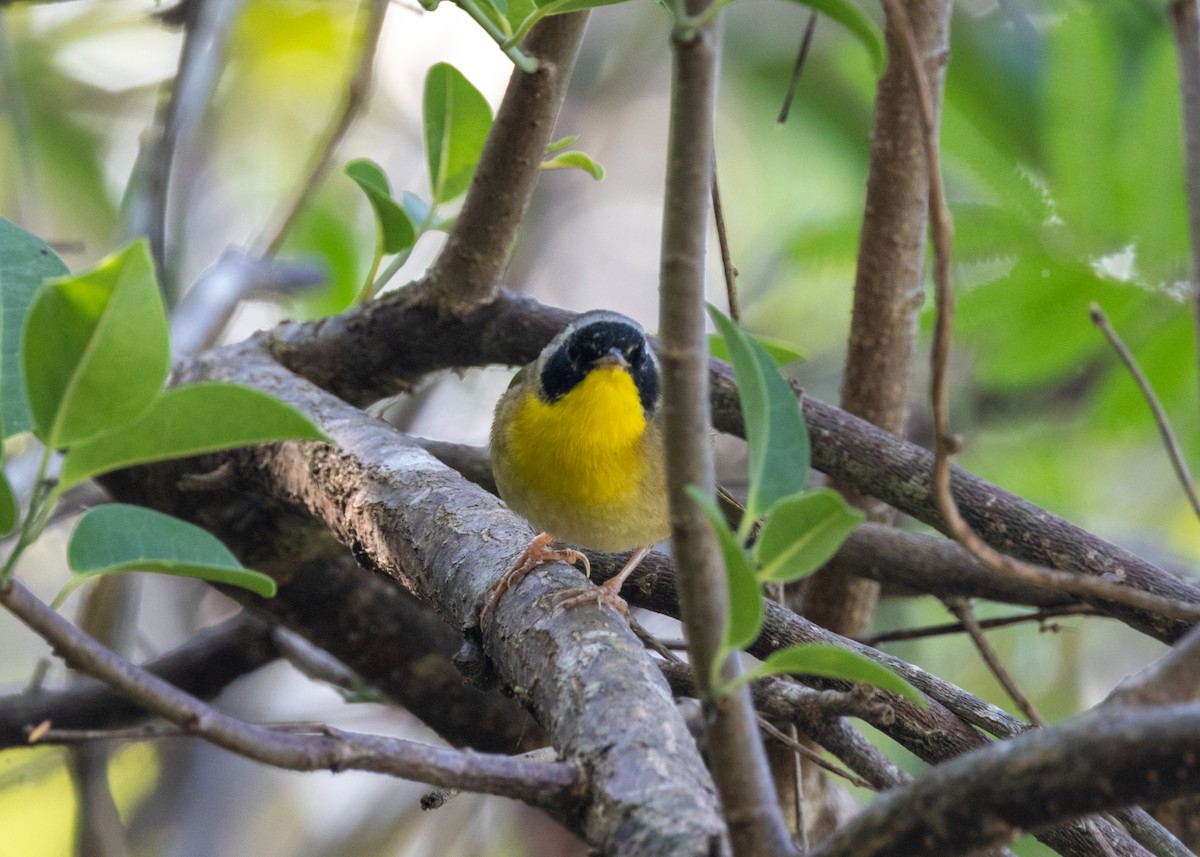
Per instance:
x=775, y=431
x=855, y=20
x=802, y=533
x=118, y=538
x=189, y=420
x=828, y=661
x=25, y=263
x=397, y=229
x=781, y=352
x=578, y=160
x=745, y=596
x=95, y=348
x=457, y=121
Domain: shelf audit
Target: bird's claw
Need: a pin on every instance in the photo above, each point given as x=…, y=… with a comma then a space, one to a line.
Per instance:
x=536, y=552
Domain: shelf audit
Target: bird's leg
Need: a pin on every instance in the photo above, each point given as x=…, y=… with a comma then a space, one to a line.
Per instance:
x=537, y=552
x=609, y=591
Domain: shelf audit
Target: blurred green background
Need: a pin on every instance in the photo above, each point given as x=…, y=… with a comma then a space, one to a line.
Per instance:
x=1063, y=154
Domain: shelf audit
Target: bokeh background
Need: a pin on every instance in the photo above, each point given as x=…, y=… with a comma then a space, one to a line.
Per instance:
x=1063, y=155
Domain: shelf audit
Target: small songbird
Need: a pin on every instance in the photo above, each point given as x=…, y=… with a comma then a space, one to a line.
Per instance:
x=577, y=449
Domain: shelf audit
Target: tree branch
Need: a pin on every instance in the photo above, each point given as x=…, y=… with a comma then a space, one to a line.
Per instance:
x=373, y=352
x=407, y=516
x=467, y=271
x=358, y=90
x=738, y=759
x=552, y=786
x=203, y=667
x=984, y=798
x=888, y=285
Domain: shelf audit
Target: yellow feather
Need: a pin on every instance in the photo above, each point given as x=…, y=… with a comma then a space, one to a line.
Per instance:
x=583, y=449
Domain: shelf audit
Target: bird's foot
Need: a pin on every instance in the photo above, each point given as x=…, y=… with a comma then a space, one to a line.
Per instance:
x=537, y=552
x=604, y=594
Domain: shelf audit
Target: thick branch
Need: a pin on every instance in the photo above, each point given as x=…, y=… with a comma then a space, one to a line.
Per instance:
x=384, y=634
x=549, y=785
x=914, y=562
x=934, y=734
x=367, y=354
x=1101, y=760
x=888, y=285
x=467, y=271
x=408, y=516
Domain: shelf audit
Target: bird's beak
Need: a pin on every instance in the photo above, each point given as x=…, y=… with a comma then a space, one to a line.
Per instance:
x=614, y=357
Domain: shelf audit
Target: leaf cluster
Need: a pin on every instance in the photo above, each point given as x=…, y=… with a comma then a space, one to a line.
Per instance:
x=800, y=529
x=83, y=366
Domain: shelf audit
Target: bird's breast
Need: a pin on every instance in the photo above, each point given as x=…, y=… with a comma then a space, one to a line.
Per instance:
x=587, y=448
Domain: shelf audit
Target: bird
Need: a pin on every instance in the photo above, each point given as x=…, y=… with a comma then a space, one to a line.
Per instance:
x=577, y=450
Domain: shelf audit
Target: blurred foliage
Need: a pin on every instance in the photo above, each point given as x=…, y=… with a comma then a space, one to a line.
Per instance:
x=38, y=798
x=1064, y=164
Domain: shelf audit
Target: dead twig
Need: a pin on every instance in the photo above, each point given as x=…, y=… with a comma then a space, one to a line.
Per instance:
x=962, y=608
x=1160, y=416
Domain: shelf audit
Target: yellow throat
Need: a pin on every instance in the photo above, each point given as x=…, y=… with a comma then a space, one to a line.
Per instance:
x=586, y=449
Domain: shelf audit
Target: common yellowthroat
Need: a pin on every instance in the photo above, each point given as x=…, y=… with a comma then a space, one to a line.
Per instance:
x=577, y=449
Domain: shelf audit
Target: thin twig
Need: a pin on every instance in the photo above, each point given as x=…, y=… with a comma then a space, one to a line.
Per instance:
x=731, y=272
x=358, y=88
x=1160, y=416
x=801, y=57
x=550, y=785
x=957, y=627
x=808, y=753
x=653, y=643
x=946, y=444
x=200, y=67
x=962, y=608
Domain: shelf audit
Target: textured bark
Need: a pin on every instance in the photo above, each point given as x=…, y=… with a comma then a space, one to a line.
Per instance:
x=888, y=285
x=735, y=751
x=468, y=269
x=366, y=354
x=911, y=563
x=407, y=516
x=381, y=632
x=1098, y=761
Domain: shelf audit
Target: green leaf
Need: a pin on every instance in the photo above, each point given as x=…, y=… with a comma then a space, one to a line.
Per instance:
x=561, y=143
x=189, y=420
x=578, y=160
x=118, y=538
x=95, y=347
x=775, y=431
x=802, y=533
x=745, y=597
x=8, y=506
x=457, y=121
x=25, y=262
x=397, y=228
x=781, y=352
x=855, y=20
x=561, y=7
x=829, y=661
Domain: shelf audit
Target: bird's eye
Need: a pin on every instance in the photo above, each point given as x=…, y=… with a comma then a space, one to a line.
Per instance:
x=634, y=353
x=573, y=352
